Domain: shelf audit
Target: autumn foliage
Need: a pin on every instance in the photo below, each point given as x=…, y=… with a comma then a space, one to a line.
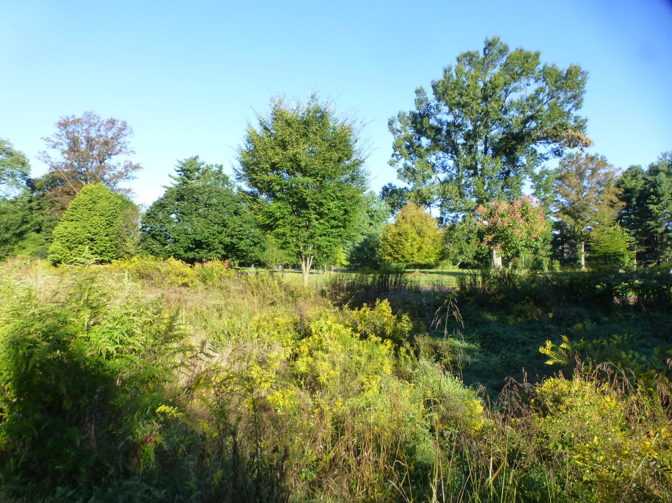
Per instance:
x=512, y=228
x=87, y=147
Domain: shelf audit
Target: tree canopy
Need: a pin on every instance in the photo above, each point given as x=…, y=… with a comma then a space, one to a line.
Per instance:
x=414, y=238
x=87, y=148
x=303, y=165
x=14, y=169
x=94, y=228
x=362, y=249
x=586, y=195
x=201, y=217
x=647, y=195
x=490, y=123
x=512, y=228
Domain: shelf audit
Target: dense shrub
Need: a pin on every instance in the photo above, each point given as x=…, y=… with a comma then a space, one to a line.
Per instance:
x=98, y=226
x=81, y=375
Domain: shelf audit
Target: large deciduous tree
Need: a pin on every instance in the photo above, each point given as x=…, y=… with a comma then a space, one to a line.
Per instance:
x=14, y=169
x=586, y=195
x=414, y=238
x=303, y=166
x=492, y=120
x=98, y=226
x=88, y=148
x=201, y=217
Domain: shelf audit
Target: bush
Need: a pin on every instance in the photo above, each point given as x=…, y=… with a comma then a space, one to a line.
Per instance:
x=81, y=377
x=96, y=227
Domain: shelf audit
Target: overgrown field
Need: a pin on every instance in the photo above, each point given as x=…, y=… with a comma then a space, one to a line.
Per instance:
x=157, y=381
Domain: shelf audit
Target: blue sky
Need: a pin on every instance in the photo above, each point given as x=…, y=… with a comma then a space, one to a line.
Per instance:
x=188, y=76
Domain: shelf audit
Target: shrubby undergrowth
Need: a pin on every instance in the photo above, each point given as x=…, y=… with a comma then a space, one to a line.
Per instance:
x=151, y=380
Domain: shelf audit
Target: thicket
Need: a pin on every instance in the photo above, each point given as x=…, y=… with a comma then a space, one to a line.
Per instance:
x=98, y=226
x=149, y=380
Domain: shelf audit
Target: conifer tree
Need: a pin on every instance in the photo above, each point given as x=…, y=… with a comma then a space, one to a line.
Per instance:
x=201, y=217
x=94, y=228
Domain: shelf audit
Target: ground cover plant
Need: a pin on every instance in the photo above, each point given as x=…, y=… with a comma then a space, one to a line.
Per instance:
x=153, y=380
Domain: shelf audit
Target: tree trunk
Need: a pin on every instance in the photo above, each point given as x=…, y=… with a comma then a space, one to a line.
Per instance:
x=583, y=256
x=306, y=263
x=495, y=259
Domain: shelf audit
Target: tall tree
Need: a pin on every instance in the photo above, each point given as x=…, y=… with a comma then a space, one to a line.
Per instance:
x=492, y=121
x=414, y=238
x=586, y=195
x=15, y=218
x=88, y=148
x=93, y=228
x=201, y=217
x=303, y=166
x=647, y=215
x=14, y=169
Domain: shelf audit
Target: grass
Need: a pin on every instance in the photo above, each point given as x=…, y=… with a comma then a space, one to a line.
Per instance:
x=150, y=380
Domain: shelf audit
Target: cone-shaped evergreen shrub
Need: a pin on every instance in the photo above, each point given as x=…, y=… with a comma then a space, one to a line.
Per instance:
x=92, y=227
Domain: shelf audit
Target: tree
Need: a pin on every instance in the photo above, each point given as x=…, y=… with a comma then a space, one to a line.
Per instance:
x=14, y=169
x=15, y=218
x=610, y=246
x=586, y=194
x=304, y=170
x=362, y=249
x=414, y=238
x=512, y=228
x=93, y=229
x=647, y=216
x=87, y=147
x=201, y=217
x=274, y=256
x=491, y=123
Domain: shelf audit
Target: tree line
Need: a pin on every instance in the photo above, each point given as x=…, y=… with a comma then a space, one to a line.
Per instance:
x=473, y=153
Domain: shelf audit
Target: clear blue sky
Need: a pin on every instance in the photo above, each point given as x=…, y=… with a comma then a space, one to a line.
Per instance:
x=188, y=76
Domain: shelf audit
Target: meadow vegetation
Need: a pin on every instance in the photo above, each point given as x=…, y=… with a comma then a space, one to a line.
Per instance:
x=156, y=380
x=151, y=359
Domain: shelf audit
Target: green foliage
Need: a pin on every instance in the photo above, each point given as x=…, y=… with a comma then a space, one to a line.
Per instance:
x=81, y=374
x=15, y=222
x=492, y=121
x=201, y=217
x=610, y=247
x=415, y=238
x=647, y=215
x=362, y=249
x=586, y=198
x=288, y=398
x=558, y=355
x=14, y=169
x=274, y=256
x=94, y=228
x=591, y=427
x=462, y=244
x=303, y=166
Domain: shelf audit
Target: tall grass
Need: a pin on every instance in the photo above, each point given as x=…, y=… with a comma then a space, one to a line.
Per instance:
x=154, y=380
